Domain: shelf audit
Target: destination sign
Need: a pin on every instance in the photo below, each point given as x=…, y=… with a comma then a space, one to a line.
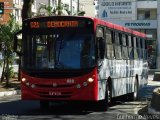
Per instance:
x=56, y=24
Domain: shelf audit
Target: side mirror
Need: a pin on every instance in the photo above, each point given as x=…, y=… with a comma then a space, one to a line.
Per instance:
x=101, y=46
x=15, y=45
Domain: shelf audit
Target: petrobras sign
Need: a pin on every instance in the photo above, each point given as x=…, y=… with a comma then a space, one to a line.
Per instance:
x=137, y=24
x=117, y=9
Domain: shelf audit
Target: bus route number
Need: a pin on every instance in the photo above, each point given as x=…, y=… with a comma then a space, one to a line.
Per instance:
x=34, y=25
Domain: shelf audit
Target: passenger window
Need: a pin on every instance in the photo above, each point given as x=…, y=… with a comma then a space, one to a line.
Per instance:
x=117, y=40
x=108, y=36
x=109, y=46
x=123, y=40
x=117, y=46
x=124, y=47
x=110, y=51
x=129, y=41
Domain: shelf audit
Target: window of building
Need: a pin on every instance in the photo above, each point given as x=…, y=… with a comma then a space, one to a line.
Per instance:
x=147, y=14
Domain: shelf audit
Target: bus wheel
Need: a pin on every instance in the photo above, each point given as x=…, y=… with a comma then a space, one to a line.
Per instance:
x=134, y=95
x=136, y=88
x=44, y=104
x=104, y=104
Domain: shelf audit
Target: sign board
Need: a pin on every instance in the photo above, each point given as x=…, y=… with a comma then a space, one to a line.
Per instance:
x=137, y=24
x=117, y=9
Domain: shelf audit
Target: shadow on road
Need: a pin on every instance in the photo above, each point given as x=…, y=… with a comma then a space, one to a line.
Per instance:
x=32, y=108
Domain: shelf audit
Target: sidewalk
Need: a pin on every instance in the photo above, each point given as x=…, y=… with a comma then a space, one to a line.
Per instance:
x=145, y=94
x=13, y=89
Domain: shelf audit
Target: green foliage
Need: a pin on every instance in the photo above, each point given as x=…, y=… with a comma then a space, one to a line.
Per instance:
x=6, y=41
x=11, y=72
x=81, y=13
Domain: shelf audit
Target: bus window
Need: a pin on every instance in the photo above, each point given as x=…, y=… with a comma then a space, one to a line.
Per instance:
x=110, y=51
x=109, y=46
x=100, y=42
x=129, y=41
x=124, y=40
x=108, y=36
x=145, y=53
x=139, y=50
x=124, y=47
x=135, y=47
x=117, y=39
x=100, y=32
x=117, y=46
x=131, y=50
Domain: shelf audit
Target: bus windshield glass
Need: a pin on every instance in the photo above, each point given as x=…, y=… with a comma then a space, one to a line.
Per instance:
x=59, y=50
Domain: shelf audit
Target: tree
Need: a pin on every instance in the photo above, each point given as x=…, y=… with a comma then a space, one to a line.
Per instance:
x=6, y=40
x=49, y=10
x=27, y=9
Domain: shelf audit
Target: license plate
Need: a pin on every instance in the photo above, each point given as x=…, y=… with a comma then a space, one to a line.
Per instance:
x=54, y=93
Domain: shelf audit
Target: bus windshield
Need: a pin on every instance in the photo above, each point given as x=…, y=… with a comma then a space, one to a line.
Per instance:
x=60, y=50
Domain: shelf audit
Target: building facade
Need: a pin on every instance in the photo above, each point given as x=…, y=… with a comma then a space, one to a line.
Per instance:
x=69, y=6
x=8, y=9
x=141, y=15
x=72, y=6
x=13, y=7
x=88, y=7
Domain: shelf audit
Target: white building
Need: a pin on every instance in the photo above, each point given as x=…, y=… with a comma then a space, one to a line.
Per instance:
x=141, y=15
x=17, y=9
x=69, y=5
x=88, y=7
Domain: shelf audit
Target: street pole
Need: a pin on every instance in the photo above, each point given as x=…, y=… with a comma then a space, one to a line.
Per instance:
x=77, y=6
x=158, y=36
x=49, y=3
x=71, y=6
x=59, y=7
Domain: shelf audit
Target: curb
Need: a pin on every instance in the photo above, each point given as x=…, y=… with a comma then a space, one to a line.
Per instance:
x=9, y=93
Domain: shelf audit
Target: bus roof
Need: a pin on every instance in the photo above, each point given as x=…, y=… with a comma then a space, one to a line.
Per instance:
x=118, y=27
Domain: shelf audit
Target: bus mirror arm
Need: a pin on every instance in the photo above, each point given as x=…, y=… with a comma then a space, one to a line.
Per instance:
x=15, y=45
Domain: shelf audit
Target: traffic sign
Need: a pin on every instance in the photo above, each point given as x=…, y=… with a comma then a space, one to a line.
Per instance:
x=1, y=7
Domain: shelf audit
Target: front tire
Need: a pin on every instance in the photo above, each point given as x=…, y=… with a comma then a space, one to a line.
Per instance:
x=104, y=104
x=134, y=95
x=136, y=88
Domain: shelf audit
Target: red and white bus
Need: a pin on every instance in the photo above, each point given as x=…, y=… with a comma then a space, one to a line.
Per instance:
x=75, y=58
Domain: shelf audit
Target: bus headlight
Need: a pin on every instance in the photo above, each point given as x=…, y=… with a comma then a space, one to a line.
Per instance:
x=33, y=86
x=78, y=86
x=27, y=84
x=85, y=84
x=90, y=80
x=23, y=79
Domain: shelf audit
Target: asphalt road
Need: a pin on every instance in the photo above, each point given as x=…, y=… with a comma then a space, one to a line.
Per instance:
x=12, y=108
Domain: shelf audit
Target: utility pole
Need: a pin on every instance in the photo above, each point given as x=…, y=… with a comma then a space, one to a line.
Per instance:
x=49, y=3
x=158, y=37
x=71, y=6
x=59, y=7
x=77, y=6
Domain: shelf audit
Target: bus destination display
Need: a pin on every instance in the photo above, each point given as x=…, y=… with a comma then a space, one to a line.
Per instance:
x=56, y=24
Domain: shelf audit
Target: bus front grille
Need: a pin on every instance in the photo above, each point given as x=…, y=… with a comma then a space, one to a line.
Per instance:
x=53, y=95
x=57, y=86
